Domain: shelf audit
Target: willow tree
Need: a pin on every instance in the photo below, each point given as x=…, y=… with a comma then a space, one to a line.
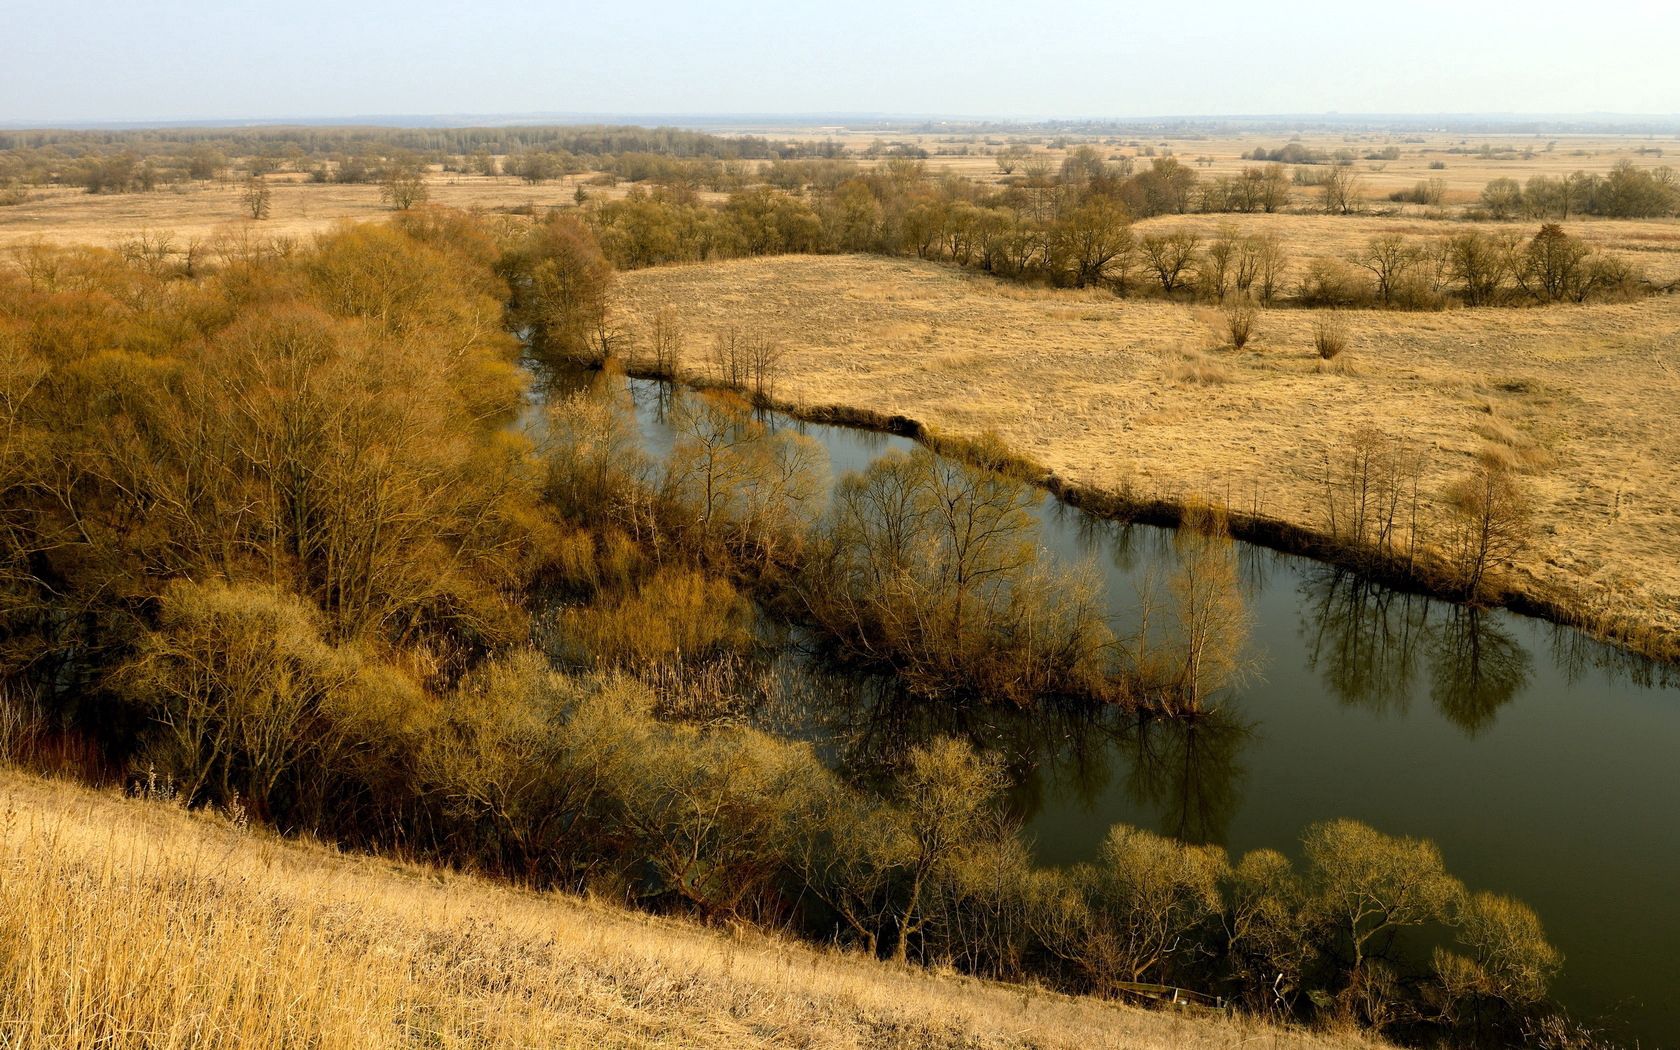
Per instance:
x=1366, y=884
x=560, y=282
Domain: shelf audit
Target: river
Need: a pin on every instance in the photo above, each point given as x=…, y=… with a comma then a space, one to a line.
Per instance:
x=1542, y=762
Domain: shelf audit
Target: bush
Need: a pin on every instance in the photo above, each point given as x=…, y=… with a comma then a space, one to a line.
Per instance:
x=1330, y=336
x=1241, y=317
x=1332, y=282
x=560, y=282
x=676, y=615
x=254, y=703
x=1426, y=191
x=931, y=567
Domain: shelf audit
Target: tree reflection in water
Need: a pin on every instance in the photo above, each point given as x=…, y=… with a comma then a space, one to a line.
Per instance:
x=1574, y=654
x=1475, y=668
x=1368, y=641
x=1363, y=638
x=1188, y=772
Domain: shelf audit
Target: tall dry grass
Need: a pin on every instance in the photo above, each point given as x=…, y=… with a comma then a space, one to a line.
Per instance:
x=133, y=923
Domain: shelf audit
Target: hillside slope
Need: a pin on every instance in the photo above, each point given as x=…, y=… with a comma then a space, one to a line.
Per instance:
x=125, y=922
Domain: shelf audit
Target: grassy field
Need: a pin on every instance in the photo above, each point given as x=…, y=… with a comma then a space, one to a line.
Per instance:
x=67, y=215
x=126, y=922
x=1101, y=391
x=1463, y=173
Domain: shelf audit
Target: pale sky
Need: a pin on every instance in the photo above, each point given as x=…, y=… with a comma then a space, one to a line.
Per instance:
x=141, y=60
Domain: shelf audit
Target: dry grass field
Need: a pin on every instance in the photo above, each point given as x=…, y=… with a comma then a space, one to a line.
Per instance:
x=1104, y=392
x=65, y=215
x=131, y=923
x=1464, y=173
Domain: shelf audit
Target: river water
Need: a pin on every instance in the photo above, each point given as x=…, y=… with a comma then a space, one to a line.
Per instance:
x=1543, y=763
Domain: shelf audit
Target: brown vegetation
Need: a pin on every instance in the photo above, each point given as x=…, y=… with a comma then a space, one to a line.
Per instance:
x=275, y=549
x=1070, y=381
x=196, y=927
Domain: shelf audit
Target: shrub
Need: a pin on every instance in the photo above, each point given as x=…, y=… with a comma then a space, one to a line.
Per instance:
x=1330, y=335
x=1503, y=198
x=1153, y=899
x=252, y=701
x=931, y=567
x=1366, y=884
x=677, y=614
x=1509, y=958
x=1424, y=191
x=560, y=282
x=733, y=491
x=1241, y=317
x=1331, y=282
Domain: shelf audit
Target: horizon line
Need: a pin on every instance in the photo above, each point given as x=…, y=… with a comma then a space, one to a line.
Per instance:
x=1591, y=118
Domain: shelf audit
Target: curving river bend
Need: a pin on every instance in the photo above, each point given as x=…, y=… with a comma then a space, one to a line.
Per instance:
x=1542, y=762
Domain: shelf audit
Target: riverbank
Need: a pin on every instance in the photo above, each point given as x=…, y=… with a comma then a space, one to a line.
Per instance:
x=130, y=919
x=1090, y=391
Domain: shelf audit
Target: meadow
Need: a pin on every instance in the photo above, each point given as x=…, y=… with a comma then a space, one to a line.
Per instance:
x=1141, y=397
x=136, y=922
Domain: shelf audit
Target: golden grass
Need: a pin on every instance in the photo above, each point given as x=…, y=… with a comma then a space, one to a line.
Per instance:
x=1581, y=397
x=1183, y=365
x=130, y=923
x=299, y=208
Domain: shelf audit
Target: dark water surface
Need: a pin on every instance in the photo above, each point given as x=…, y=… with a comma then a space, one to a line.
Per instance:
x=1542, y=763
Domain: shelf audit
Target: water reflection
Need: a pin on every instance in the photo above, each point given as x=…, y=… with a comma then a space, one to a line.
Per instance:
x=1475, y=668
x=1575, y=655
x=1368, y=642
x=1362, y=638
x=1189, y=773
x=1373, y=704
x=1056, y=758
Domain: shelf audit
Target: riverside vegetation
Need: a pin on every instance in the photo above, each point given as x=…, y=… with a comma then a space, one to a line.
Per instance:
x=275, y=545
x=281, y=942
x=1578, y=231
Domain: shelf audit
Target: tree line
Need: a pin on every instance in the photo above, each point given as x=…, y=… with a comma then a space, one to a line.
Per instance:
x=1074, y=234
x=1626, y=192
x=141, y=160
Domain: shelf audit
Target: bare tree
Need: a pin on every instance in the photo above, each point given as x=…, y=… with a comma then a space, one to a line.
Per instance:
x=1388, y=256
x=403, y=186
x=1491, y=517
x=1171, y=256
x=1342, y=194
x=665, y=338
x=256, y=197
